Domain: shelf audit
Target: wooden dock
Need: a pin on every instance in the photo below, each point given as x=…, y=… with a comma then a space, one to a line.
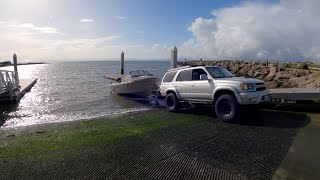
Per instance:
x=25, y=86
x=296, y=93
x=12, y=88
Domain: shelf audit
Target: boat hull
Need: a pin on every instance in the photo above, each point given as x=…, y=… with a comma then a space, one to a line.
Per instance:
x=141, y=87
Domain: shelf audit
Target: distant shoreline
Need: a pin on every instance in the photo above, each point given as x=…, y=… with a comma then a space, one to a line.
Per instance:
x=31, y=63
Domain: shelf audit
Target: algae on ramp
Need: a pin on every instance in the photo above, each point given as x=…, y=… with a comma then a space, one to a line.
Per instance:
x=75, y=134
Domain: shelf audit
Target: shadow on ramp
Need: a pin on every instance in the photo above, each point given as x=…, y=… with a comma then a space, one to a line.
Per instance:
x=5, y=110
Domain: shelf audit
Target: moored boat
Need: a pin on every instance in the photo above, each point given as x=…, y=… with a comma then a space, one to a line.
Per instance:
x=139, y=83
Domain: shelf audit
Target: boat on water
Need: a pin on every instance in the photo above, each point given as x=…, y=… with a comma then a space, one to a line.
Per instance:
x=139, y=83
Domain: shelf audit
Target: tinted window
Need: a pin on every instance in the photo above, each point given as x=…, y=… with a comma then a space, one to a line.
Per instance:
x=185, y=75
x=196, y=74
x=169, y=76
x=219, y=72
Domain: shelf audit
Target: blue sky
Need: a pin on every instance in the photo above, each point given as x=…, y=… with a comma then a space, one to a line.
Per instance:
x=163, y=21
x=58, y=30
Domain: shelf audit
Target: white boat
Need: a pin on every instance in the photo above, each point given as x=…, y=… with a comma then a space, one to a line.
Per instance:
x=140, y=83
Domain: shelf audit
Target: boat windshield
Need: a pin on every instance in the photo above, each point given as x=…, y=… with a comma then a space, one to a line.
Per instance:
x=137, y=73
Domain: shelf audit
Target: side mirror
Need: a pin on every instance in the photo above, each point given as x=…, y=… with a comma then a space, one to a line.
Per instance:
x=203, y=77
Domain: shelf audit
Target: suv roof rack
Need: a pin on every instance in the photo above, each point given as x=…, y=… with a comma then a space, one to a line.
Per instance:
x=178, y=68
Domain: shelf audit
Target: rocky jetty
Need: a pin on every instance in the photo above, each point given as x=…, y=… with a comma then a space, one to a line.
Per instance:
x=276, y=75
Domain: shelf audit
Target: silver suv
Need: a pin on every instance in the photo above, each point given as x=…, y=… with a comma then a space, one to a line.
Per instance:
x=212, y=85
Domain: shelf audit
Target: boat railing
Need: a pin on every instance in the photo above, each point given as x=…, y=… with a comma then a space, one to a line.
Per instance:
x=139, y=72
x=9, y=81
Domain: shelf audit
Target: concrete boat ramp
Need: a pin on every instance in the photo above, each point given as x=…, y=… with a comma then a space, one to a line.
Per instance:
x=162, y=145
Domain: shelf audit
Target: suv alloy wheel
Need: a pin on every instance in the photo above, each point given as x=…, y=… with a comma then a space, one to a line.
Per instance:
x=172, y=102
x=227, y=108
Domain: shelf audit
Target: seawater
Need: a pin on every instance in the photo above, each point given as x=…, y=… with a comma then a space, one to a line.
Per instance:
x=72, y=91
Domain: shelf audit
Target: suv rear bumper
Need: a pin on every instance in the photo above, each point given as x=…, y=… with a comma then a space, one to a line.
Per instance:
x=254, y=97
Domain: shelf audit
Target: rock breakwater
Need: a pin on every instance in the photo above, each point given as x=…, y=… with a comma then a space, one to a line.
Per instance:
x=284, y=75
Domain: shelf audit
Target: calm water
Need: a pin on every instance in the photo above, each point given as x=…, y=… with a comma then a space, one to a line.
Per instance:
x=73, y=91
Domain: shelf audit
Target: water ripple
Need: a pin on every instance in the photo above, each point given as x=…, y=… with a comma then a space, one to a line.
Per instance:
x=72, y=91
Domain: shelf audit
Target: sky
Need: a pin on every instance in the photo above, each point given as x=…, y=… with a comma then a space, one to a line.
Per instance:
x=86, y=30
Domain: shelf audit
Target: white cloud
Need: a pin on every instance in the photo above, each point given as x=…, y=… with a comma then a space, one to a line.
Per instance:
x=85, y=20
x=45, y=47
x=37, y=29
x=287, y=30
x=27, y=28
x=159, y=51
x=120, y=17
x=66, y=48
x=37, y=43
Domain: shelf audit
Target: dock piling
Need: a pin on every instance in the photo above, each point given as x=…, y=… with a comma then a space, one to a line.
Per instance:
x=10, y=89
x=122, y=63
x=174, y=56
x=15, y=65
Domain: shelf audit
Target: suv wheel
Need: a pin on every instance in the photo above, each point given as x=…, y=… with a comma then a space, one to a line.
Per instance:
x=227, y=108
x=172, y=102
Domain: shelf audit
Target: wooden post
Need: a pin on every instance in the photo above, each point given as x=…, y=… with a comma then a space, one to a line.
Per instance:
x=15, y=65
x=122, y=64
x=174, y=57
x=10, y=89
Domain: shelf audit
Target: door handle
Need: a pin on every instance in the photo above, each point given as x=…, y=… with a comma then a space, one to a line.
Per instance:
x=192, y=85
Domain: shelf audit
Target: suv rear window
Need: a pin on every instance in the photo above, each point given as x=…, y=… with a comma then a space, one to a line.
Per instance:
x=185, y=75
x=169, y=76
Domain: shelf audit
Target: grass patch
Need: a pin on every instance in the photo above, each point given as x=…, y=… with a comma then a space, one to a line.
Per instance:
x=84, y=133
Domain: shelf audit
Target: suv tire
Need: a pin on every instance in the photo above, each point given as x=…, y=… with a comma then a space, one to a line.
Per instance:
x=172, y=102
x=227, y=108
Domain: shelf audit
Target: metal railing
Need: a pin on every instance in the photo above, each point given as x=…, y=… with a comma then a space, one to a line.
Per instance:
x=9, y=81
